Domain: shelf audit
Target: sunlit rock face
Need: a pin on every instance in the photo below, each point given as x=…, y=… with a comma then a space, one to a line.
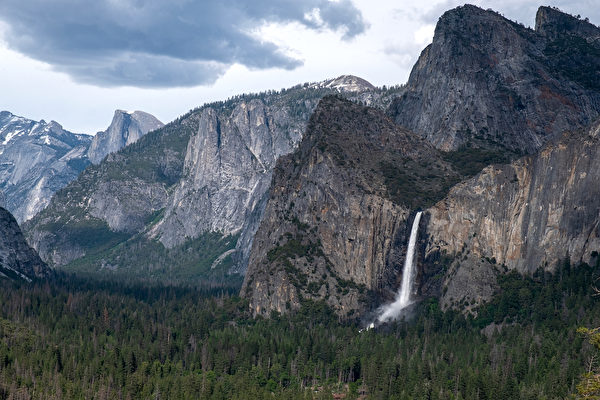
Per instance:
x=533, y=213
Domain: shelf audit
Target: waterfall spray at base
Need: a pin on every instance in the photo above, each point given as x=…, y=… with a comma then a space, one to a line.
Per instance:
x=391, y=311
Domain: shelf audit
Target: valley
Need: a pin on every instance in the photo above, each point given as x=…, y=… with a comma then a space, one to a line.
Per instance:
x=437, y=239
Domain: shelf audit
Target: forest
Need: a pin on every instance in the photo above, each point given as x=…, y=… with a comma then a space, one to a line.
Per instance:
x=74, y=338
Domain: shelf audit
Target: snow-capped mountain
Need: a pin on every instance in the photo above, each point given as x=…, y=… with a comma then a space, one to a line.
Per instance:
x=345, y=83
x=37, y=158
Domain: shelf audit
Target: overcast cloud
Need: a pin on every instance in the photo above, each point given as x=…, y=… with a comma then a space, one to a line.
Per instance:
x=173, y=50
x=158, y=43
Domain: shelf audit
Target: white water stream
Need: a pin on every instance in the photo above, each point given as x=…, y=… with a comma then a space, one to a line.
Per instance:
x=392, y=310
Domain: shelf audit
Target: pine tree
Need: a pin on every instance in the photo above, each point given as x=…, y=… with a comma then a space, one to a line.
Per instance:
x=589, y=387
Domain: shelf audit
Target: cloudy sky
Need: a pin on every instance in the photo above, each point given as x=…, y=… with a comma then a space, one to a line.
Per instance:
x=76, y=61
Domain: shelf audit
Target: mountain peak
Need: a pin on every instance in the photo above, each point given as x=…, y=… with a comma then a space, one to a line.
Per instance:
x=489, y=82
x=552, y=22
x=345, y=83
x=125, y=128
x=470, y=22
x=5, y=114
x=350, y=83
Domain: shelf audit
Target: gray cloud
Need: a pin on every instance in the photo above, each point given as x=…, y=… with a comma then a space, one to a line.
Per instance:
x=162, y=43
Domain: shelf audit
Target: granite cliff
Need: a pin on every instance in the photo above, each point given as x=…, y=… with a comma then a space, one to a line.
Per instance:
x=530, y=214
x=125, y=128
x=227, y=171
x=488, y=82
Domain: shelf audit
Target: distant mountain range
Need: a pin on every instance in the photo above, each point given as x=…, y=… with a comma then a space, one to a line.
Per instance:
x=170, y=205
x=37, y=158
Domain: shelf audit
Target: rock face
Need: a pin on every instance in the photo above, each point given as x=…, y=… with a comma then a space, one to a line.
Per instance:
x=335, y=225
x=125, y=128
x=227, y=171
x=18, y=261
x=488, y=82
x=36, y=159
x=208, y=172
x=554, y=24
x=530, y=214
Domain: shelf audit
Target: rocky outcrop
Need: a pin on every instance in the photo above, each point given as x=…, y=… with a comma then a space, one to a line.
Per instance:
x=125, y=128
x=533, y=213
x=36, y=159
x=18, y=261
x=553, y=24
x=227, y=171
x=488, y=82
x=335, y=224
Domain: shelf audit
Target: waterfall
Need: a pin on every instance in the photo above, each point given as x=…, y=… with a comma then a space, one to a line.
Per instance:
x=391, y=311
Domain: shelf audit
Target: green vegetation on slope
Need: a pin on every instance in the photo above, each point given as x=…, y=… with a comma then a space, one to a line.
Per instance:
x=417, y=183
x=576, y=59
x=143, y=260
x=469, y=161
x=75, y=339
